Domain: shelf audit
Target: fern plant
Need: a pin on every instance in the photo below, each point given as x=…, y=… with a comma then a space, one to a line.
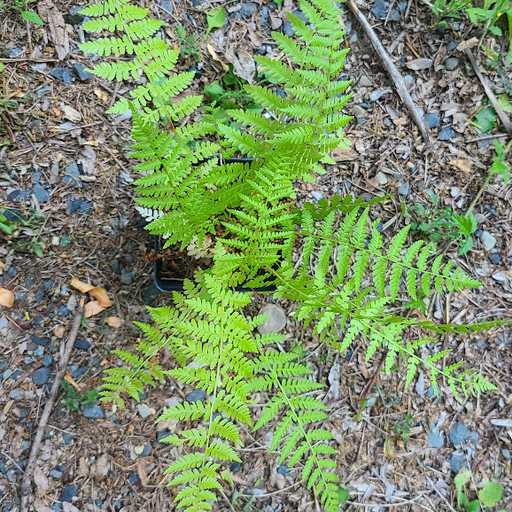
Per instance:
x=218, y=351
x=352, y=287
x=187, y=190
x=234, y=183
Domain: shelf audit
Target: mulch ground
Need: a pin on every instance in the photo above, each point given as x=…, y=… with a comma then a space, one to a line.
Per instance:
x=64, y=169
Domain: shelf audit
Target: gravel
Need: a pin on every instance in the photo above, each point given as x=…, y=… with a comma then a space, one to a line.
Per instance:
x=198, y=395
x=41, y=376
x=93, y=412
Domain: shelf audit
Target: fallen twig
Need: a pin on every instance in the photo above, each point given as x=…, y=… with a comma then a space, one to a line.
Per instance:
x=392, y=70
x=67, y=348
x=507, y=124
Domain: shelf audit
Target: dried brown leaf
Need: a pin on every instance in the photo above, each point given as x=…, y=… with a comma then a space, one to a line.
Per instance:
x=114, y=322
x=461, y=164
x=80, y=285
x=93, y=308
x=6, y=298
x=101, y=296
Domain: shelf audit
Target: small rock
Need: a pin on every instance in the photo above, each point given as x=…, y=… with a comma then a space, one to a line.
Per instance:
x=126, y=277
x=57, y=472
x=41, y=376
x=247, y=9
x=144, y=411
x=73, y=17
x=133, y=479
x=235, y=467
x=18, y=196
x=16, y=394
x=72, y=175
x=447, y=133
x=507, y=454
x=275, y=320
x=404, y=189
x=460, y=435
x=317, y=195
x=265, y=17
x=283, y=470
x=82, y=344
x=15, y=53
x=377, y=94
x=457, y=461
x=451, y=63
x=381, y=178
x=198, y=395
x=77, y=205
x=69, y=492
x=93, y=412
x=381, y=11
x=432, y=119
x=38, y=340
x=435, y=439
x=501, y=277
x=47, y=360
x=82, y=73
x=62, y=74
x=288, y=29
x=488, y=240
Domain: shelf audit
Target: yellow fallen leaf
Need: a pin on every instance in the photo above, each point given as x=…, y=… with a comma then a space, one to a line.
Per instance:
x=114, y=321
x=6, y=298
x=100, y=295
x=80, y=285
x=93, y=308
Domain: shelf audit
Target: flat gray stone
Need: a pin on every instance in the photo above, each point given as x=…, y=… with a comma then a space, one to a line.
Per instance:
x=275, y=319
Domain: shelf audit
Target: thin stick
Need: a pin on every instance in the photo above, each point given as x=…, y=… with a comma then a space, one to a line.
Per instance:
x=26, y=487
x=507, y=124
x=489, y=137
x=392, y=70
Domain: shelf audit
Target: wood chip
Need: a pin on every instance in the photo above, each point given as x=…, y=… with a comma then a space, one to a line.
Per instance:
x=461, y=164
x=56, y=27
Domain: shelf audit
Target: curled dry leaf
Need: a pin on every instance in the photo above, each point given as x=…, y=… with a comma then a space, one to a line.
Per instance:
x=100, y=295
x=114, y=321
x=6, y=298
x=93, y=308
x=80, y=285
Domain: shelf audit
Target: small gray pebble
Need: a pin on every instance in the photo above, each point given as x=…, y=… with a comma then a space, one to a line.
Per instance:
x=457, y=461
x=451, y=63
x=42, y=195
x=435, y=438
x=447, y=133
x=93, y=412
x=198, y=395
x=432, y=119
x=41, y=376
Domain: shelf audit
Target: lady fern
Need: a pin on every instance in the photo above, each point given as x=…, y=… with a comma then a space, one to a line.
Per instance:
x=352, y=286
x=234, y=183
x=186, y=186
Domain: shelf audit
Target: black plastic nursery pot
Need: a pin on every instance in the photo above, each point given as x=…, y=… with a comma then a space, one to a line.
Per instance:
x=175, y=283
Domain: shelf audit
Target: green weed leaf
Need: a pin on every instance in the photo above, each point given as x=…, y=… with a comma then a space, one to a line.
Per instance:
x=491, y=493
x=32, y=17
x=216, y=18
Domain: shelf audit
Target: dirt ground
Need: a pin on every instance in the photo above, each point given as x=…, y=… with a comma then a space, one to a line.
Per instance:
x=64, y=170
